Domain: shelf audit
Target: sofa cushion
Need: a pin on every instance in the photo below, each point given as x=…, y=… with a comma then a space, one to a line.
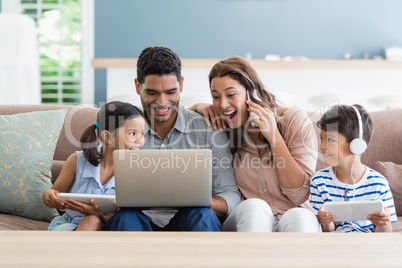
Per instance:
x=77, y=120
x=27, y=143
x=393, y=173
x=11, y=222
x=386, y=143
x=56, y=169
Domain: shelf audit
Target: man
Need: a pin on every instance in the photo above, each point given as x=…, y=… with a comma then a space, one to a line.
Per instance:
x=171, y=126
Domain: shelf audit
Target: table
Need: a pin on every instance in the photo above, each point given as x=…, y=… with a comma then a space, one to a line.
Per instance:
x=185, y=249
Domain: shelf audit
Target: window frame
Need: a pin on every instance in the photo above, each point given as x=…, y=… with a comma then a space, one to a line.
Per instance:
x=87, y=45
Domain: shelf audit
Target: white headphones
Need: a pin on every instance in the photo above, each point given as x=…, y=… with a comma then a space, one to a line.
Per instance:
x=358, y=145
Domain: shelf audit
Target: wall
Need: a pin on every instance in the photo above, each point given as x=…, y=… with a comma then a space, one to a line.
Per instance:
x=317, y=29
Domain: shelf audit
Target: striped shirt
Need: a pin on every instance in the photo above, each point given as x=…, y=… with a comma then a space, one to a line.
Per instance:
x=325, y=187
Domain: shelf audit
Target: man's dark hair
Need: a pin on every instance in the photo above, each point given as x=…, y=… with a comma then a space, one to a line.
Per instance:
x=343, y=119
x=159, y=61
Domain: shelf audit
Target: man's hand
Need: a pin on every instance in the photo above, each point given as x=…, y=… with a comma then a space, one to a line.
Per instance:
x=219, y=206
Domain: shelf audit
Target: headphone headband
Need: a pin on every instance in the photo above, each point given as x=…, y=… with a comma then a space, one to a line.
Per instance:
x=359, y=118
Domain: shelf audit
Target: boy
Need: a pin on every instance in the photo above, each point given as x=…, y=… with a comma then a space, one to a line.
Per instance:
x=345, y=132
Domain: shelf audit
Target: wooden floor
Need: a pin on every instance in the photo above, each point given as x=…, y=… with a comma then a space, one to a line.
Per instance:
x=173, y=249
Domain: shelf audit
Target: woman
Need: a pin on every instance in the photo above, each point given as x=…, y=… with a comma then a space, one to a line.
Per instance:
x=273, y=161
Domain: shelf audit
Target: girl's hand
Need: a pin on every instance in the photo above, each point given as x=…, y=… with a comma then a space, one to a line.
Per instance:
x=324, y=218
x=212, y=117
x=91, y=209
x=49, y=197
x=266, y=123
x=380, y=219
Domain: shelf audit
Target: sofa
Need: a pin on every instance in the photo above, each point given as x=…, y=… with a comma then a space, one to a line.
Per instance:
x=77, y=119
x=384, y=152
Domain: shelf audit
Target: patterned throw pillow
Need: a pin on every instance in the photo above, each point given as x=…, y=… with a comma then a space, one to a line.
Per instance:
x=27, y=144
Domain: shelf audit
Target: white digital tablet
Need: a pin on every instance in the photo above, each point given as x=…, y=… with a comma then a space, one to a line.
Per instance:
x=106, y=203
x=353, y=210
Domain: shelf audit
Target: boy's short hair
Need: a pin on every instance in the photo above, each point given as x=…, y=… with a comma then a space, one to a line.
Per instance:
x=343, y=119
x=159, y=61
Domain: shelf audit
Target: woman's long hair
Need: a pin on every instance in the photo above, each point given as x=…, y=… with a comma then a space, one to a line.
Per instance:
x=240, y=70
x=111, y=116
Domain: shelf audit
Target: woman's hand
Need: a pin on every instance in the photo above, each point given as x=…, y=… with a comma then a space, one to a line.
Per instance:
x=91, y=209
x=266, y=121
x=212, y=117
x=49, y=197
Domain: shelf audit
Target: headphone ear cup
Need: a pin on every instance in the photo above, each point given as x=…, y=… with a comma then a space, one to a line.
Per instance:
x=358, y=146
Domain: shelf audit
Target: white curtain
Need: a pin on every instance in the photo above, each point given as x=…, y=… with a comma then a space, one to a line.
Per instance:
x=19, y=60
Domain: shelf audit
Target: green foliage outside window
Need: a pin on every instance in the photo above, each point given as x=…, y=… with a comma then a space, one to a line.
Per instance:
x=59, y=34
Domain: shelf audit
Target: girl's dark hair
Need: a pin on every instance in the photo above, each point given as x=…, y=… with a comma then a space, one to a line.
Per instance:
x=240, y=70
x=343, y=119
x=111, y=116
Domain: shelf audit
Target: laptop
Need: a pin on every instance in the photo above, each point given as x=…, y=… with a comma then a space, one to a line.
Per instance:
x=163, y=179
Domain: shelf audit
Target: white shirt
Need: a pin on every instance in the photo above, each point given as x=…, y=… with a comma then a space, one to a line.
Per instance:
x=325, y=187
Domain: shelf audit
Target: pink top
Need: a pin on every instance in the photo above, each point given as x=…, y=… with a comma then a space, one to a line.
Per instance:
x=258, y=179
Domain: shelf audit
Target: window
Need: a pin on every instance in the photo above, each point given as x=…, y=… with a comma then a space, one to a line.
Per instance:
x=65, y=40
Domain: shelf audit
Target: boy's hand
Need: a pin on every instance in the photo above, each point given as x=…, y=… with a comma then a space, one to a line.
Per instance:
x=49, y=197
x=91, y=209
x=324, y=218
x=380, y=219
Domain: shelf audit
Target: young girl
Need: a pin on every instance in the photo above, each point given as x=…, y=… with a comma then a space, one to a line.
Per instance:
x=273, y=159
x=90, y=171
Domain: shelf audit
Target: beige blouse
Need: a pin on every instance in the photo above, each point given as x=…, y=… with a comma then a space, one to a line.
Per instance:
x=256, y=178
